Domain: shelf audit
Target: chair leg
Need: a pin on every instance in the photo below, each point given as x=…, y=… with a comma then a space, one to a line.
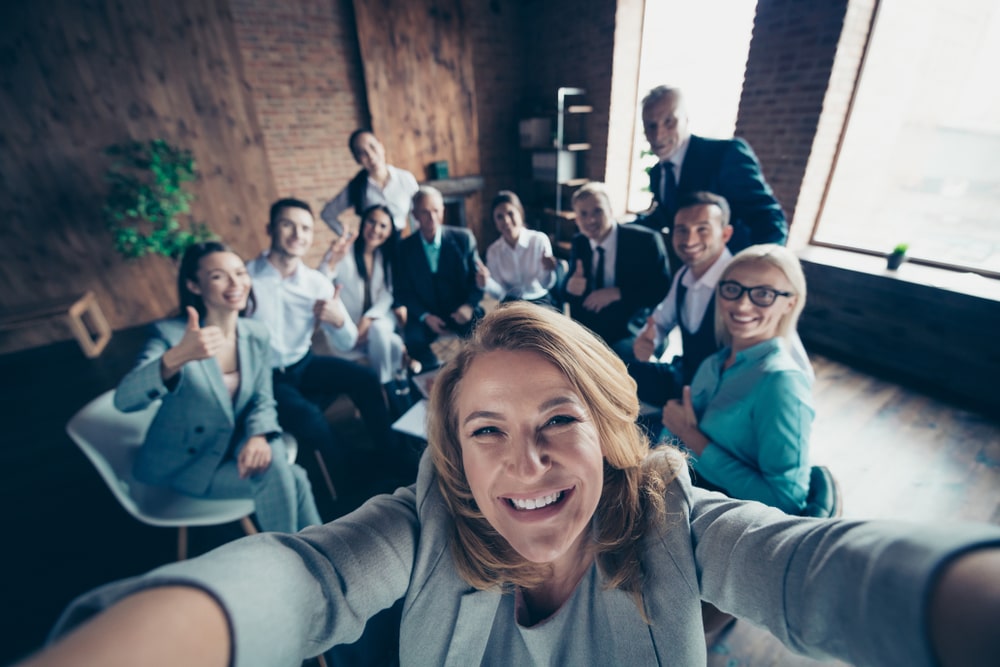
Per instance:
x=182, y=543
x=326, y=475
x=320, y=660
x=248, y=526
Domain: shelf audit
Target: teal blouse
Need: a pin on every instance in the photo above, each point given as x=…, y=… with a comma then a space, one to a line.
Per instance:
x=757, y=415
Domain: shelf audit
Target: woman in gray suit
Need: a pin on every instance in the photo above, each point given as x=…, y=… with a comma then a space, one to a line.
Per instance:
x=542, y=530
x=216, y=434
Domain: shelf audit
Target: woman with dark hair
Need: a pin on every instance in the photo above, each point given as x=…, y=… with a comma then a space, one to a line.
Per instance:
x=519, y=264
x=377, y=183
x=216, y=432
x=365, y=282
x=543, y=530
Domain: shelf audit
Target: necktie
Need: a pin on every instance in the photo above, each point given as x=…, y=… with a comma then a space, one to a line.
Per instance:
x=599, y=273
x=669, y=199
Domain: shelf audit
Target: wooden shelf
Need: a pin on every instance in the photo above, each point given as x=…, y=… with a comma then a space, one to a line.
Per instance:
x=579, y=108
x=577, y=147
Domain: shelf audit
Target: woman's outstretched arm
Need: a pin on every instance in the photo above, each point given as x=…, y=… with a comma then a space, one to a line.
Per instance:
x=158, y=627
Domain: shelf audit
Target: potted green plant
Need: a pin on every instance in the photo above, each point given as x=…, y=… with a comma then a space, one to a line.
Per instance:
x=897, y=256
x=147, y=198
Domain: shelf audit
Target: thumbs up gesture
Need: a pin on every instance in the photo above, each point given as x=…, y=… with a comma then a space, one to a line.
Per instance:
x=196, y=344
x=577, y=283
x=645, y=343
x=482, y=274
x=331, y=310
x=679, y=417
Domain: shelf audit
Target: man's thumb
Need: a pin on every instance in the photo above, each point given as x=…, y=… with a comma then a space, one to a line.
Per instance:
x=193, y=324
x=579, y=267
x=336, y=290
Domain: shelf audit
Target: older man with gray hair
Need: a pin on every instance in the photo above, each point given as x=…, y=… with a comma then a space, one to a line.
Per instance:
x=435, y=278
x=688, y=163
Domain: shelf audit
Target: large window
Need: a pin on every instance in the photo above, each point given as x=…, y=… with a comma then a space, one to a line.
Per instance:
x=919, y=161
x=701, y=47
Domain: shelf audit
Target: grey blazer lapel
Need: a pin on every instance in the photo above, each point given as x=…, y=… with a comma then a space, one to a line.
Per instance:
x=472, y=628
x=248, y=370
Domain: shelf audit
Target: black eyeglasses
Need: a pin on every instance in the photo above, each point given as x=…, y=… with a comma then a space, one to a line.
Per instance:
x=730, y=290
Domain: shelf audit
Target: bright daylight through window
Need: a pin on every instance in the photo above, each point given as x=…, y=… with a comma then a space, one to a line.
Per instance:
x=708, y=69
x=920, y=159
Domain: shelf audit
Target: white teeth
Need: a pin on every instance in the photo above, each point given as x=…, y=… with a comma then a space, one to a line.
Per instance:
x=536, y=503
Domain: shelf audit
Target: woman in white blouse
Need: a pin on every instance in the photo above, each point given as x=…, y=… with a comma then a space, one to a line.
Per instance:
x=364, y=278
x=519, y=264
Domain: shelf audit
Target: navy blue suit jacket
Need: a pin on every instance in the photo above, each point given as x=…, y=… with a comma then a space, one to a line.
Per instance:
x=641, y=273
x=413, y=281
x=727, y=167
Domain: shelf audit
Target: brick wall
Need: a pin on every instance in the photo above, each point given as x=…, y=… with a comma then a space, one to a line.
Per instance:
x=788, y=70
x=302, y=64
x=499, y=62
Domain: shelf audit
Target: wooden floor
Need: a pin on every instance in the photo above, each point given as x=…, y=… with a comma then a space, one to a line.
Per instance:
x=895, y=452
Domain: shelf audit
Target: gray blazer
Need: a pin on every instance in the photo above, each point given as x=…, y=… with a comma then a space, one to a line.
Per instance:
x=198, y=425
x=854, y=590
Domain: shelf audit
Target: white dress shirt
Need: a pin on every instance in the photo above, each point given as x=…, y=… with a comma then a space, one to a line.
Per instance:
x=397, y=196
x=352, y=291
x=699, y=295
x=285, y=306
x=518, y=271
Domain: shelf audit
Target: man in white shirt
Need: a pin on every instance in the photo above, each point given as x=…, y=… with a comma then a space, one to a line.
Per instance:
x=293, y=300
x=701, y=230
x=376, y=183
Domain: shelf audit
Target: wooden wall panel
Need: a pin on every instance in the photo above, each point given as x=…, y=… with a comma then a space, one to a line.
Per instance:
x=939, y=338
x=421, y=91
x=80, y=76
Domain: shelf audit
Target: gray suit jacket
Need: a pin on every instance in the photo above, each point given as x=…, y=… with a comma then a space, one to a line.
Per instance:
x=198, y=425
x=291, y=596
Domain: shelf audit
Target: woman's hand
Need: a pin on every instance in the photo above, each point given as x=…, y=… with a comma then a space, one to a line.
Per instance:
x=198, y=343
x=401, y=313
x=254, y=458
x=482, y=274
x=680, y=419
x=338, y=249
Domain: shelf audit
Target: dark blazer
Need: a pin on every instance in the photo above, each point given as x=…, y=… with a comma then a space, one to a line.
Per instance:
x=414, y=284
x=641, y=273
x=727, y=167
x=198, y=423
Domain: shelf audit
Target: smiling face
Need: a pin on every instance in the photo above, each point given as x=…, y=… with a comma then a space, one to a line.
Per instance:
x=292, y=232
x=376, y=228
x=369, y=152
x=531, y=454
x=748, y=323
x=509, y=222
x=699, y=236
x=222, y=282
x=665, y=124
x=593, y=216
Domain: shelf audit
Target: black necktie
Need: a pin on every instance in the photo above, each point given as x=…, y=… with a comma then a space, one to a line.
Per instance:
x=669, y=199
x=599, y=277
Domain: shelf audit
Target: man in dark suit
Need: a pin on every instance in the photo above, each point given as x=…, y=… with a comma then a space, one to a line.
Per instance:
x=617, y=271
x=435, y=278
x=688, y=163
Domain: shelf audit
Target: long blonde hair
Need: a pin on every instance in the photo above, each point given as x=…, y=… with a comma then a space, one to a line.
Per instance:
x=634, y=481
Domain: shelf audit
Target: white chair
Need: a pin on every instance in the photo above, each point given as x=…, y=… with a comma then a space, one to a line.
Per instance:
x=111, y=439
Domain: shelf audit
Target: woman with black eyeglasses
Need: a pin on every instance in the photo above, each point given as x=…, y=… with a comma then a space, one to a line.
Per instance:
x=747, y=414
